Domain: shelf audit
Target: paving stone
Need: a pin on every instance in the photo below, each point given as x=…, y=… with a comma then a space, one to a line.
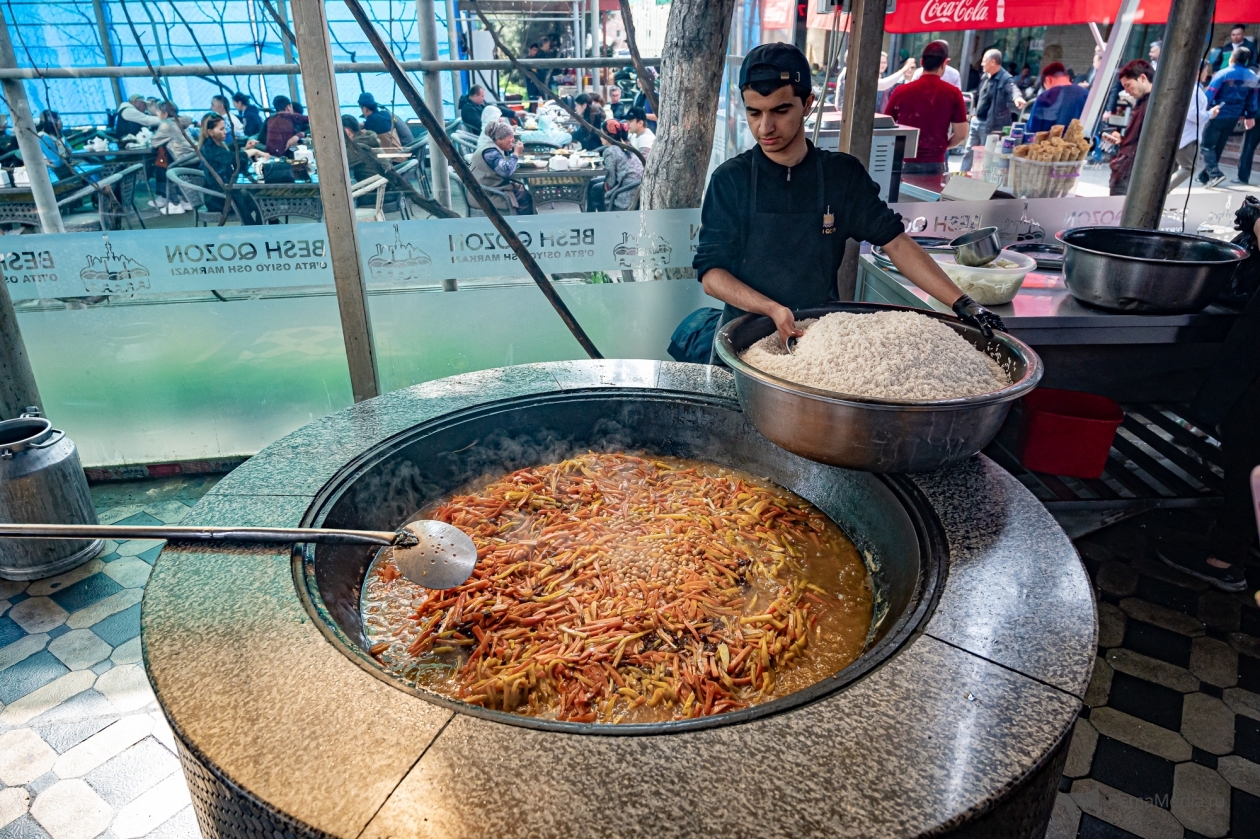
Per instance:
x=37, y=614
x=1219, y=611
x=120, y=628
x=113, y=515
x=85, y=592
x=1162, y=617
x=102, y=609
x=25, y=828
x=163, y=734
x=1245, y=644
x=109, y=743
x=126, y=687
x=152, y=808
x=4, y=606
x=170, y=512
x=23, y=757
x=9, y=631
x=1081, y=751
x=109, y=546
x=127, y=653
x=45, y=587
x=1240, y=773
x=29, y=675
x=1065, y=818
x=182, y=825
x=1140, y=734
x=1117, y=578
x=1152, y=670
x=14, y=802
x=1110, y=625
x=130, y=572
x=1158, y=570
x=10, y=588
x=150, y=556
x=1243, y=702
x=42, y=783
x=1099, y=684
x=1213, y=661
x=1124, y=811
x=74, y=720
x=133, y=772
x=79, y=649
x=101, y=667
x=21, y=649
x=1200, y=800
x=46, y=698
x=139, y=519
x=135, y=547
x=1208, y=723
x=71, y=810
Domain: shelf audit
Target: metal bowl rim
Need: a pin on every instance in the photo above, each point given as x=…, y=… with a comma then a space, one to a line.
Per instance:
x=1032, y=375
x=1239, y=253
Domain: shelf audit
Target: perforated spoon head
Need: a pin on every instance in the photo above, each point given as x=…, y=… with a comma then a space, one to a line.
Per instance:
x=442, y=557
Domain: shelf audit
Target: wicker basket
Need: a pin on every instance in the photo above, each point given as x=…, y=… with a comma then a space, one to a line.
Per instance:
x=1042, y=179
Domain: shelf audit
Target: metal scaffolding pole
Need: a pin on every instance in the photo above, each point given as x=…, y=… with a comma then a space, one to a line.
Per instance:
x=452, y=46
x=17, y=383
x=107, y=49
x=1184, y=37
x=1101, y=88
x=283, y=8
x=28, y=139
x=311, y=28
x=426, y=26
x=171, y=71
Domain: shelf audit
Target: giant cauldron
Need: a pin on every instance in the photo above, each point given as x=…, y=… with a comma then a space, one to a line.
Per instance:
x=954, y=721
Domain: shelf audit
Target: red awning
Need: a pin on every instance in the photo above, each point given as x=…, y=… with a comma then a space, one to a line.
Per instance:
x=778, y=14
x=1227, y=11
x=947, y=15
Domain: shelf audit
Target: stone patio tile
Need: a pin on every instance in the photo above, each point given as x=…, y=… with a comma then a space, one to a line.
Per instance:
x=10, y=588
x=1065, y=818
x=79, y=649
x=1152, y=670
x=37, y=614
x=71, y=810
x=1099, y=684
x=104, y=746
x=1117, y=578
x=23, y=757
x=1110, y=625
x=113, y=515
x=152, y=808
x=1243, y=702
x=14, y=802
x=135, y=547
x=9, y=631
x=1200, y=800
x=102, y=609
x=1245, y=644
x=1213, y=661
x=127, y=653
x=1240, y=773
x=1081, y=751
x=43, y=588
x=30, y=674
x=135, y=771
x=4, y=606
x=169, y=512
x=49, y=696
x=131, y=572
x=74, y=720
x=1124, y=811
x=1208, y=723
x=85, y=592
x=27, y=828
x=21, y=649
x=163, y=734
x=120, y=628
x=1159, y=616
x=126, y=687
x=1219, y=611
x=182, y=825
x=1140, y=734
x=1160, y=571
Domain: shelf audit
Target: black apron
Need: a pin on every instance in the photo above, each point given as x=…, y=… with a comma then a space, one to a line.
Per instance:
x=787, y=256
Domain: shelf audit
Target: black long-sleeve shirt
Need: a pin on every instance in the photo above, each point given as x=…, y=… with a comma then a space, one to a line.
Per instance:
x=851, y=194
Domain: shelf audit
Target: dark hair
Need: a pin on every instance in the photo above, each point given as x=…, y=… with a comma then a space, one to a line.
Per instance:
x=49, y=123
x=1138, y=67
x=534, y=47
x=474, y=90
x=348, y=121
x=297, y=107
x=769, y=86
x=219, y=97
x=1055, y=68
x=581, y=99
x=208, y=122
x=930, y=63
x=279, y=103
x=240, y=97
x=641, y=115
x=1241, y=26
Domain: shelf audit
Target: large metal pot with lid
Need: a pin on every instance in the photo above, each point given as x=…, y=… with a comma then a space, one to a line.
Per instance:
x=42, y=482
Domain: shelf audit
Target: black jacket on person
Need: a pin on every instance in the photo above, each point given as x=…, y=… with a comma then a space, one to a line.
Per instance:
x=223, y=161
x=1221, y=55
x=586, y=138
x=251, y=121
x=996, y=103
x=470, y=113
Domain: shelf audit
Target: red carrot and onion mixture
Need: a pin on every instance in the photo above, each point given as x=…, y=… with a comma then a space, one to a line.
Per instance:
x=614, y=588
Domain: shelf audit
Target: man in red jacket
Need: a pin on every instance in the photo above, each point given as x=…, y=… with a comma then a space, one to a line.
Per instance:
x=933, y=106
x=1136, y=78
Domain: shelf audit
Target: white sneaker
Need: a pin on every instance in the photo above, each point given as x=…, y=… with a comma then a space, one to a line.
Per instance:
x=172, y=210
x=159, y=202
x=187, y=207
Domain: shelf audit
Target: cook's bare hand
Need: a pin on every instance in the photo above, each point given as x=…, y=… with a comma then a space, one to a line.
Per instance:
x=1114, y=137
x=785, y=324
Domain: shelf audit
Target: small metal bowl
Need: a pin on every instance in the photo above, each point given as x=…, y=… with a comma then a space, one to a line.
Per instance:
x=874, y=435
x=977, y=248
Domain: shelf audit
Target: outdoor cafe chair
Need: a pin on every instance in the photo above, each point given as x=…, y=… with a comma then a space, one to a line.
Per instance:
x=125, y=195
x=475, y=211
x=192, y=182
x=108, y=208
x=611, y=197
x=376, y=183
x=394, y=202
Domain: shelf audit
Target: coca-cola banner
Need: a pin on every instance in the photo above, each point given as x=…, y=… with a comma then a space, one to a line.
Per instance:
x=946, y=15
x=1227, y=11
x=778, y=14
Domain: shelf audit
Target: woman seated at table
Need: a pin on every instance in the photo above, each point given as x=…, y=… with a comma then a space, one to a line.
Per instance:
x=228, y=165
x=494, y=163
x=54, y=145
x=623, y=168
x=173, y=142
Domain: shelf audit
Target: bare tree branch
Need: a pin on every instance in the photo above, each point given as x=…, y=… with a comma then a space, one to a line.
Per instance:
x=640, y=69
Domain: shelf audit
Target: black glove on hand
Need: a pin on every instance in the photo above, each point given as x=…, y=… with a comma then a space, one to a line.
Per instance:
x=971, y=312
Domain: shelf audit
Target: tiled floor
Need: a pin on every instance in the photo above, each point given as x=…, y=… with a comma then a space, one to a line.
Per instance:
x=1169, y=743
x=84, y=750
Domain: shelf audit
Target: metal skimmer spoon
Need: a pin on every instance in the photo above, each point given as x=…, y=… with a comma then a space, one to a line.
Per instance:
x=432, y=554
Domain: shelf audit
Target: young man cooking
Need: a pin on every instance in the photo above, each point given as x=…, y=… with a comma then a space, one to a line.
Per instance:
x=775, y=218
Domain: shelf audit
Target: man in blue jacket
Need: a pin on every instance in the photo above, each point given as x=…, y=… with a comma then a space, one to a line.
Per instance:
x=1236, y=90
x=1060, y=102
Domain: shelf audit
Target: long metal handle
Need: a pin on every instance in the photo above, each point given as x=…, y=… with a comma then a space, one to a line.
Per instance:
x=283, y=535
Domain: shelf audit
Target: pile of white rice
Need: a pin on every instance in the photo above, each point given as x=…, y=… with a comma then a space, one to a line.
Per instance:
x=885, y=355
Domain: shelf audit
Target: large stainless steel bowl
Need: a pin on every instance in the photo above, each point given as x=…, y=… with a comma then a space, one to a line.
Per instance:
x=1135, y=270
x=874, y=435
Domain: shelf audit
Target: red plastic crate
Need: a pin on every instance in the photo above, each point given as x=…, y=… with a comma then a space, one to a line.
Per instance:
x=1064, y=432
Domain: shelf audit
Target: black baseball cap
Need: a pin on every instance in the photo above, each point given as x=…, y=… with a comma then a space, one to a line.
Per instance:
x=774, y=62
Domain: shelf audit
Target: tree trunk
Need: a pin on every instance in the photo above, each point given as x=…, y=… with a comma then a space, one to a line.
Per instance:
x=692, y=64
